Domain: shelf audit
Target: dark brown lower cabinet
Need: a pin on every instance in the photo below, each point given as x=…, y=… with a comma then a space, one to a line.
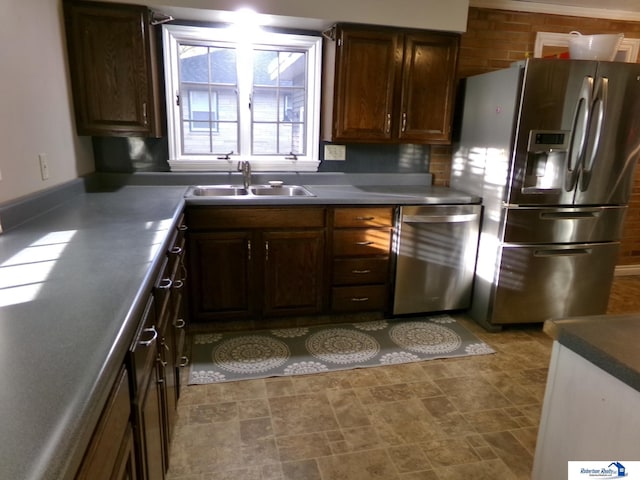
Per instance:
x=256, y=262
x=110, y=455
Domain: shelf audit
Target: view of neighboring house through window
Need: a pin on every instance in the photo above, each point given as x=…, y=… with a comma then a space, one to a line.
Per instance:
x=237, y=100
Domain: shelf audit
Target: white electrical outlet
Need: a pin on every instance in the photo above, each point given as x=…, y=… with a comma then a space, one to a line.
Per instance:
x=335, y=152
x=44, y=166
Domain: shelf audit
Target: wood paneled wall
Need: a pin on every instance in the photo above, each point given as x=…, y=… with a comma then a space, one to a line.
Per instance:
x=496, y=38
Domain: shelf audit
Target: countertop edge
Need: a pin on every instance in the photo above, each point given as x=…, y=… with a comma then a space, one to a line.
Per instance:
x=566, y=332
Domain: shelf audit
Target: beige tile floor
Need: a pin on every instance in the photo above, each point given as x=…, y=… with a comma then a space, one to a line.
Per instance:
x=468, y=418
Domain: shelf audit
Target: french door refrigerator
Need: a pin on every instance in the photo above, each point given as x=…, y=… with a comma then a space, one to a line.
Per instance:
x=550, y=145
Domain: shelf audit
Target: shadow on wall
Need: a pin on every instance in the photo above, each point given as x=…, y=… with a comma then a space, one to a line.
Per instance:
x=132, y=154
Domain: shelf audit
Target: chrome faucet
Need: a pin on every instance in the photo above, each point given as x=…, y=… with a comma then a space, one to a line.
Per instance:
x=245, y=168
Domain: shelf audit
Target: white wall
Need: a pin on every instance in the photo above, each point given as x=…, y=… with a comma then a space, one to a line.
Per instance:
x=36, y=114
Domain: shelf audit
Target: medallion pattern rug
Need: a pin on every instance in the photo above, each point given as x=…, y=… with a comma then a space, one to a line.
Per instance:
x=225, y=357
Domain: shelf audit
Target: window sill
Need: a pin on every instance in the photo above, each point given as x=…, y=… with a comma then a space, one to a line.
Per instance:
x=232, y=165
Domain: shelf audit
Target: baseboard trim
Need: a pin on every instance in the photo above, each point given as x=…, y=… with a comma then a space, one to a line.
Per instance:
x=622, y=270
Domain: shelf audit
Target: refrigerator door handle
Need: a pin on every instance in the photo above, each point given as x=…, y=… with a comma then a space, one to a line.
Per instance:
x=569, y=252
x=579, y=129
x=582, y=215
x=598, y=109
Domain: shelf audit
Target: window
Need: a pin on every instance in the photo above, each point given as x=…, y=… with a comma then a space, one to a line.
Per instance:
x=230, y=100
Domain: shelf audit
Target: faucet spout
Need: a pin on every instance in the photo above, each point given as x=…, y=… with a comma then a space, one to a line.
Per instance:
x=245, y=168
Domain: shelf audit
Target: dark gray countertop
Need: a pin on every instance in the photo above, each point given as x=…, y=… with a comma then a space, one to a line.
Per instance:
x=73, y=279
x=608, y=341
x=351, y=195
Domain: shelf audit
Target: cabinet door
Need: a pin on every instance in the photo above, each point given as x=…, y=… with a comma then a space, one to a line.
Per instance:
x=428, y=83
x=110, y=454
x=368, y=62
x=293, y=275
x=221, y=280
x=112, y=70
x=151, y=417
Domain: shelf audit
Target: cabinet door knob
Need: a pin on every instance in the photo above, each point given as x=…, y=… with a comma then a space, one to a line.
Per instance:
x=179, y=323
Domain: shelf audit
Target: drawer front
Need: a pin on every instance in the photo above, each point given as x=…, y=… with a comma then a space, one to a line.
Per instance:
x=365, y=241
x=143, y=351
x=225, y=218
x=360, y=271
x=564, y=225
x=359, y=298
x=363, y=217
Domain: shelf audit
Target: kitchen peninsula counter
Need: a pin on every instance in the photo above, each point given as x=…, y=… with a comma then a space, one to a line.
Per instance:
x=592, y=393
x=75, y=274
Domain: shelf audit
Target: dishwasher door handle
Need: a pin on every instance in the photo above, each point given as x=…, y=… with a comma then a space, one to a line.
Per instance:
x=455, y=218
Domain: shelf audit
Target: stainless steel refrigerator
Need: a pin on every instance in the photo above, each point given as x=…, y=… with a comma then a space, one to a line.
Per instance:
x=550, y=145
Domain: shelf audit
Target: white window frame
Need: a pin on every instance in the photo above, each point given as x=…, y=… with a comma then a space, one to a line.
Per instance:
x=175, y=34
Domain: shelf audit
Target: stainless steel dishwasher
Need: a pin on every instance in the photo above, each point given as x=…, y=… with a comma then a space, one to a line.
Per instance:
x=435, y=250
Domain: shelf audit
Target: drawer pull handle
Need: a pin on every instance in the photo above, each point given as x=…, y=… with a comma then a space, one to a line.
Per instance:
x=179, y=323
x=364, y=219
x=360, y=299
x=161, y=362
x=165, y=283
x=178, y=284
x=175, y=250
x=360, y=272
x=154, y=335
x=364, y=244
x=184, y=361
x=182, y=228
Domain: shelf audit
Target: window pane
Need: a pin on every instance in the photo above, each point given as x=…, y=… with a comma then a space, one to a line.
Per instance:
x=222, y=62
x=265, y=67
x=265, y=139
x=192, y=58
x=292, y=69
x=265, y=105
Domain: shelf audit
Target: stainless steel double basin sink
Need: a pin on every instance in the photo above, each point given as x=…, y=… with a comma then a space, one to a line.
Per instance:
x=253, y=190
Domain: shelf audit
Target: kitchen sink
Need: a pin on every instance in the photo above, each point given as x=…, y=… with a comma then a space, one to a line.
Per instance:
x=240, y=191
x=217, y=191
x=281, y=191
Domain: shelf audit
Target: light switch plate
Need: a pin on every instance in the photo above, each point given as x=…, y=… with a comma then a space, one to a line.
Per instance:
x=335, y=152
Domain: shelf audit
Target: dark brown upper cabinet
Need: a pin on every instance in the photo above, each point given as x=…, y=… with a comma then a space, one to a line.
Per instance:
x=385, y=85
x=113, y=61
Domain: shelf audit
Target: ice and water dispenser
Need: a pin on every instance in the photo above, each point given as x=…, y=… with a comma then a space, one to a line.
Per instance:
x=546, y=160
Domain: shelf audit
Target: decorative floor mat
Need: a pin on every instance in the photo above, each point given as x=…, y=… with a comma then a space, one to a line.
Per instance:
x=225, y=357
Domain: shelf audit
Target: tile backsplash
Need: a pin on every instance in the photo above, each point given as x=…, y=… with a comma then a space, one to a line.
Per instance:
x=127, y=155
